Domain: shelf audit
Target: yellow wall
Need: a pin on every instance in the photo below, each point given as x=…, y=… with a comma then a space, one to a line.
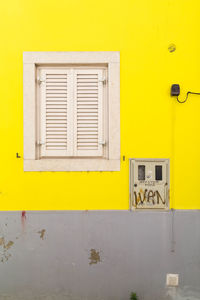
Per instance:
x=152, y=123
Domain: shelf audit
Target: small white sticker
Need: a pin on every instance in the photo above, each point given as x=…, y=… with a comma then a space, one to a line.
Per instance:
x=149, y=174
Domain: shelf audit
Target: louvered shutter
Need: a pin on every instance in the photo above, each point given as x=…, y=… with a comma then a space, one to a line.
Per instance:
x=55, y=112
x=88, y=133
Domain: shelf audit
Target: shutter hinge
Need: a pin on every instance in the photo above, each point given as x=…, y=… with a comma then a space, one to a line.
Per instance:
x=103, y=80
x=102, y=142
x=40, y=80
x=40, y=143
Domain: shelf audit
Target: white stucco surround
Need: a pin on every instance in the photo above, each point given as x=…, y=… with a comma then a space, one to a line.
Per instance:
x=30, y=62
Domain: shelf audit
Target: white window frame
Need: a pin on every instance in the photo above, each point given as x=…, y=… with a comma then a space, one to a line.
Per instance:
x=30, y=62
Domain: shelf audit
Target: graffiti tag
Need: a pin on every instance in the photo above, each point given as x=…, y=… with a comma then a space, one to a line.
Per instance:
x=148, y=197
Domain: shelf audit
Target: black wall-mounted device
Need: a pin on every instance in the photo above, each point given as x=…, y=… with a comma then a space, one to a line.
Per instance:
x=175, y=90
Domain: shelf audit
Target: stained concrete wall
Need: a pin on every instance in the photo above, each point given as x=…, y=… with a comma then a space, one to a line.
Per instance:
x=99, y=255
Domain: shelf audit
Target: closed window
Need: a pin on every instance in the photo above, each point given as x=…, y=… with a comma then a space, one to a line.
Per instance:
x=71, y=111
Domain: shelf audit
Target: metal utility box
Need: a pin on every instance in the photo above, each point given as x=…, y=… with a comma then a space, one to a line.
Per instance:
x=149, y=183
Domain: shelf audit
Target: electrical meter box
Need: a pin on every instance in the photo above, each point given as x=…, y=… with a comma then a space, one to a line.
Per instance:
x=149, y=183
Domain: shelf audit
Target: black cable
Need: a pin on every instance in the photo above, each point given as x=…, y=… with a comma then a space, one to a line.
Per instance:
x=187, y=97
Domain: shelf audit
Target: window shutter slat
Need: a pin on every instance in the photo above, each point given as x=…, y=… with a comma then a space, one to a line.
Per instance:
x=54, y=115
x=88, y=91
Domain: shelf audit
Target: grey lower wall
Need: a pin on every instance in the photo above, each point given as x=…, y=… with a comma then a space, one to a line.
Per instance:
x=99, y=255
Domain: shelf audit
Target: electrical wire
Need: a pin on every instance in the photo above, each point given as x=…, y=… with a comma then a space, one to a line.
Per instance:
x=187, y=97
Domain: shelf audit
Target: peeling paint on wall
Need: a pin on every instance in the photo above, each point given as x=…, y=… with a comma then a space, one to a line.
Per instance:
x=42, y=233
x=5, y=246
x=94, y=257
